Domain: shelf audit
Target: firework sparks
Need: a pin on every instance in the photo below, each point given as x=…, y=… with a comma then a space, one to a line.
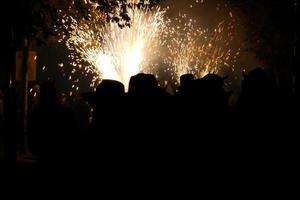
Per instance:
x=192, y=49
x=110, y=52
x=117, y=53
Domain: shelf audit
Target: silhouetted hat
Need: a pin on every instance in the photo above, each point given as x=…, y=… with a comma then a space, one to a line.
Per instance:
x=110, y=88
x=186, y=80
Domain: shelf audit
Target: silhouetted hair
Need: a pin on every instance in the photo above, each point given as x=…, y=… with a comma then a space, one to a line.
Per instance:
x=143, y=84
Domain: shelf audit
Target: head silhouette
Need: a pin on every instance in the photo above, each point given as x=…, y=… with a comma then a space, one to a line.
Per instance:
x=143, y=84
x=213, y=81
x=110, y=88
x=255, y=80
x=48, y=96
x=186, y=80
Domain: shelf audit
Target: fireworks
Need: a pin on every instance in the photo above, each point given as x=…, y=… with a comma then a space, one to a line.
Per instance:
x=117, y=53
x=110, y=52
x=127, y=51
x=192, y=49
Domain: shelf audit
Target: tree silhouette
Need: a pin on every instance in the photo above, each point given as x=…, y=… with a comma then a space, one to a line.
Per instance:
x=272, y=31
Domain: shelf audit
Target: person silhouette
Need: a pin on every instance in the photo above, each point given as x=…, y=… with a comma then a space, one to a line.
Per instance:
x=51, y=128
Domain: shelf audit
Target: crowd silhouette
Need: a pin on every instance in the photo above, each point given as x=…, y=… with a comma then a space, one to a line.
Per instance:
x=50, y=126
x=147, y=128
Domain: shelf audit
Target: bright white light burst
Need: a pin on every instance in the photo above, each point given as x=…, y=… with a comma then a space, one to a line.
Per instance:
x=118, y=53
